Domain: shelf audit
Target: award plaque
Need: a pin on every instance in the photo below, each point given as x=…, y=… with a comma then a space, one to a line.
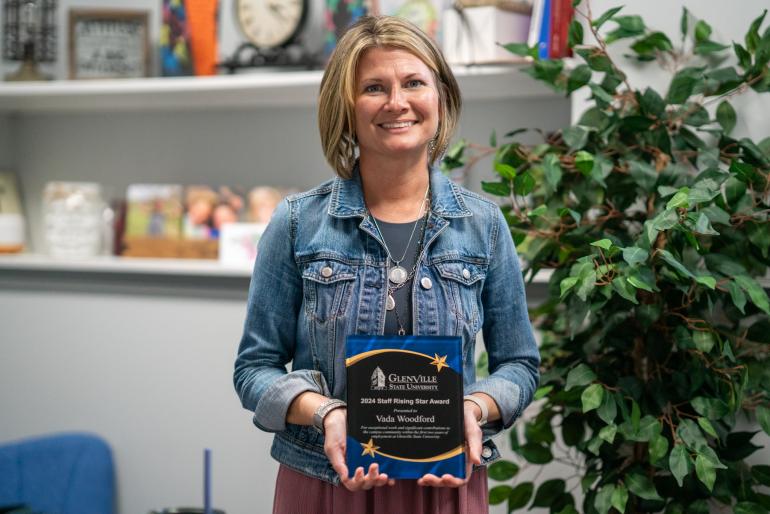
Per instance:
x=405, y=406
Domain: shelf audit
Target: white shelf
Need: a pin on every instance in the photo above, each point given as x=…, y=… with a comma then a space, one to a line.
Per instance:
x=142, y=266
x=122, y=265
x=258, y=89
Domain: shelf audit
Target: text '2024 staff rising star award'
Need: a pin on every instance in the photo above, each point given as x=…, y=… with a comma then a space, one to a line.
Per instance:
x=405, y=405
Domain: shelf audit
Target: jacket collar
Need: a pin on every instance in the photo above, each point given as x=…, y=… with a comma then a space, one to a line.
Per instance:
x=347, y=197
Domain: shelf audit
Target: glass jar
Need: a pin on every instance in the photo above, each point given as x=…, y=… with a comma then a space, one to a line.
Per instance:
x=73, y=219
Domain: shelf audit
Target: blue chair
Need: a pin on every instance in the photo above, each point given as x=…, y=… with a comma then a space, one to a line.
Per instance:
x=58, y=474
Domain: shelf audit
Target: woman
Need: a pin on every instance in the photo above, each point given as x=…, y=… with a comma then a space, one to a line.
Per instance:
x=390, y=246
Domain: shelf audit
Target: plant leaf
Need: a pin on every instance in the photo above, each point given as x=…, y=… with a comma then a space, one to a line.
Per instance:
x=756, y=293
x=552, y=170
x=642, y=486
x=592, y=397
x=621, y=286
x=707, y=427
x=502, y=470
x=499, y=494
x=749, y=508
x=704, y=341
x=726, y=116
x=535, y=453
x=548, y=492
x=603, y=499
x=674, y=263
x=580, y=375
x=579, y=77
x=567, y=284
x=705, y=471
x=601, y=20
x=496, y=188
x=634, y=255
x=584, y=162
x=575, y=35
x=711, y=408
x=542, y=392
x=658, y=447
x=608, y=410
x=607, y=433
x=506, y=171
x=620, y=497
x=680, y=199
x=518, y=49
x=520, y=496
x=680, y=463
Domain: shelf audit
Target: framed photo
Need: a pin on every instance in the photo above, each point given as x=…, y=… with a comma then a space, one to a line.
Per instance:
x=108, y=44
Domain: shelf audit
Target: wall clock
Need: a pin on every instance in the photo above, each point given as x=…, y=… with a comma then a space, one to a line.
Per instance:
x=271, y=23
x=277, y=33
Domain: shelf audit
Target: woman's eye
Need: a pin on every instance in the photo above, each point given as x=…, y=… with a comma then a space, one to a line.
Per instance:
x=414, y=83
x=374, y=88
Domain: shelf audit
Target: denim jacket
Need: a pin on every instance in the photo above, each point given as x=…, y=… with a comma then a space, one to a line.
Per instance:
x=320, y=275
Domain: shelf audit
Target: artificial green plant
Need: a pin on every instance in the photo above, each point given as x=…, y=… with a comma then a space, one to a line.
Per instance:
x=652, y=218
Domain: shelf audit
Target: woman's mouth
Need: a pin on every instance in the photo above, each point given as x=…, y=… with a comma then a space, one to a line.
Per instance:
x=397, y=124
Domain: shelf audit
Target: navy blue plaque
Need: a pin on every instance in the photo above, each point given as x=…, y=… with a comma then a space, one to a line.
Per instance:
x=404, y=397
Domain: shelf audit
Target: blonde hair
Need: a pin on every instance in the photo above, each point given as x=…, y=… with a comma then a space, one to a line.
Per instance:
x=336, y=117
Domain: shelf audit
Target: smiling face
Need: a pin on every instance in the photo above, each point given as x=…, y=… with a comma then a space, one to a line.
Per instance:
x=397, y=104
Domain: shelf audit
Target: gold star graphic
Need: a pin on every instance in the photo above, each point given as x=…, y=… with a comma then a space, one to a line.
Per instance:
x=369, y=448
x=439, y=362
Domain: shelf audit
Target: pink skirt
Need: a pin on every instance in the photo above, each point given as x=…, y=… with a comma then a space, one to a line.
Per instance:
x=296, y=493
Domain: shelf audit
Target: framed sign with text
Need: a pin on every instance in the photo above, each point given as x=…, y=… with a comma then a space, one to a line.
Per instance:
x=108, y=44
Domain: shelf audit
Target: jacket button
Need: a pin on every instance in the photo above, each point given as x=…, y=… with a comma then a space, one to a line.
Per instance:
x=326, y=272
x=486, y=452
x=466, y=274
x=426, y=283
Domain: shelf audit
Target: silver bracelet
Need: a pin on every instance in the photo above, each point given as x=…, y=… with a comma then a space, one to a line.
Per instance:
x=323, y=410
x=482, y=406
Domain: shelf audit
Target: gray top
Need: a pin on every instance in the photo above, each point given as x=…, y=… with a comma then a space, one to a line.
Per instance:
x=396, y=236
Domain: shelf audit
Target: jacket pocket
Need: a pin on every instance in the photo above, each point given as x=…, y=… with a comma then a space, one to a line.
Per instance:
x=463, y=281
x=327, y=288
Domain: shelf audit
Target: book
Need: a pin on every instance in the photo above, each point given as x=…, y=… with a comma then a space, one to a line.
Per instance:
x=405, y=405
x=561, y=16
x=545, y=30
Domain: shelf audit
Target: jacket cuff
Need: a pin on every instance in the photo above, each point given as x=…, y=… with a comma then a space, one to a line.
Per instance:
x=270, y=414
x=506, y=395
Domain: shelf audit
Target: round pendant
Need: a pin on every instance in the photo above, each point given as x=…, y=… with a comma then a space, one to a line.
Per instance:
x=390, y=304
x=397, y=275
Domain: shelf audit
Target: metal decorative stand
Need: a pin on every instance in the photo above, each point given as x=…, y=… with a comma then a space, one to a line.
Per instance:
x=248, y=55
x=29, y=36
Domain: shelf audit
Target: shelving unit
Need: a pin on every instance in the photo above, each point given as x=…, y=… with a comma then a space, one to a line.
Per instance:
x=259, y=89
x=264, y=94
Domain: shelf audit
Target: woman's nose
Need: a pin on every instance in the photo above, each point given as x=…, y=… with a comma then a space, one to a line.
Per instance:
x=396, y=100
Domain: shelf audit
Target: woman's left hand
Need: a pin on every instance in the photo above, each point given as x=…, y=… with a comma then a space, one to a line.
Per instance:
x=472, y=452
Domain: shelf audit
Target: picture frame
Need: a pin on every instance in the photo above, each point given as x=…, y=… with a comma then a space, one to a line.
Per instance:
x=108, y=43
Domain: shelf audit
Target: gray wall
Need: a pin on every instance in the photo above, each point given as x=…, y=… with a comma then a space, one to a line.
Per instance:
x=7, y=155
x=146, y=361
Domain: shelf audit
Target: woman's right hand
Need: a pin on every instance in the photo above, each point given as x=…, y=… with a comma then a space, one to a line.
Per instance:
x=335, y=440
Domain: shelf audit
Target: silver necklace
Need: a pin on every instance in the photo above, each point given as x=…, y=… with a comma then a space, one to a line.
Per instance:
x=390, y=303
x=398, y=274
